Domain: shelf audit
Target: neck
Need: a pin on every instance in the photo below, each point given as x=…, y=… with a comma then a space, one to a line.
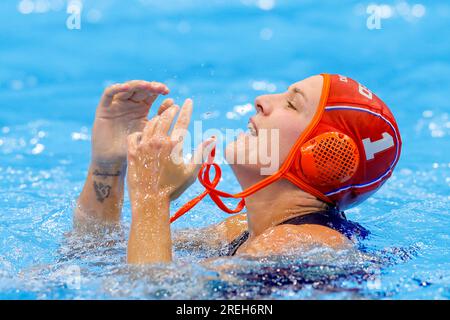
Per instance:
x=277, y=203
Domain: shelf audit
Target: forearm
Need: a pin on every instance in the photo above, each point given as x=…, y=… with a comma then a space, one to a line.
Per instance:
x=150, y=239
x=101, y=199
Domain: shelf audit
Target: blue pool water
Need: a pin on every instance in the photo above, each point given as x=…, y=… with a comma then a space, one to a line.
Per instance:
x=222, y=53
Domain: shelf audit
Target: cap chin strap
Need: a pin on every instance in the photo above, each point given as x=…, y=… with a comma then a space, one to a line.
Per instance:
x=283, y=172
x=210, y=189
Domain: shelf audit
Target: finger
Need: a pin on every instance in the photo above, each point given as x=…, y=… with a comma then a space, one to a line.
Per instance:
x=149, y=128
x=202, y=153
x=111, y=91
x=154, y=89
x=150, y=89
x=133, y=141
x=166, y=120
x=167, y=103
x=125, y=95
x=151, y=98
x=144, y=90
x=135, y=86
x=180, y=128
x=139, y=96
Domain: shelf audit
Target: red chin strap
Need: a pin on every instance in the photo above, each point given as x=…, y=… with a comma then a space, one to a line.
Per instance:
x=210, y=188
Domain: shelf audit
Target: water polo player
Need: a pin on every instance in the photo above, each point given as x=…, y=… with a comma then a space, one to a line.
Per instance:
x=338, y=144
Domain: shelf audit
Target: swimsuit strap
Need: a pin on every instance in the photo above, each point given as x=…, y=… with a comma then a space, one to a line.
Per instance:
x=233, y=246
x=332, y=218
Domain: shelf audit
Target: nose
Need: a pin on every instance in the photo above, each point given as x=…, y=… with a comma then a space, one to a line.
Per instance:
x=263, y=105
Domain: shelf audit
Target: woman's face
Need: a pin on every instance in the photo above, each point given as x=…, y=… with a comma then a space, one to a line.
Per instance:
x=279, y=120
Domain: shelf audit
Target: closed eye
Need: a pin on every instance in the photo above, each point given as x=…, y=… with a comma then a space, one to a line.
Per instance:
x=291, y=105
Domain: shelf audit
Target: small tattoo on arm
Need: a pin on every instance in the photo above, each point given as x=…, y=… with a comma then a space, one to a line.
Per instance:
x=102, y=191
x=107, y=174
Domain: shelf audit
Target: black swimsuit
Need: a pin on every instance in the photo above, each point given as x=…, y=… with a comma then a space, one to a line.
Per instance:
x=333, y=219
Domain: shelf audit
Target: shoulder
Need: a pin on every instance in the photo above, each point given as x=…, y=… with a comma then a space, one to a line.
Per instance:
x=284, y=238
x=232, y=227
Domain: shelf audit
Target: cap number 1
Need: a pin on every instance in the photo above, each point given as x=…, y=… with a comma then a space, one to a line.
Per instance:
x=377, y=146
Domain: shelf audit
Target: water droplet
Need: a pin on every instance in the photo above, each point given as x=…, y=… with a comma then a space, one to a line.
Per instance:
x=41, y=6
x=94, y=15
x=17, y=85
x=385, y=11
x=406, y=172
x=232, y=116
x=266, y=4
x=25, y=6
x=38, y=149
x=403, y=8
x=427, y=114
x=243, y=109
x=418, y=10
x=210, y=115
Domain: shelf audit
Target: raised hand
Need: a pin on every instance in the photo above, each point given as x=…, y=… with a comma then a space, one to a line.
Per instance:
x=157, y=175
x=155, y=156
x=123, y=110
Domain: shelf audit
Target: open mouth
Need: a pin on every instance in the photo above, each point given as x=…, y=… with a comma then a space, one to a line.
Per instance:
x=252, y=130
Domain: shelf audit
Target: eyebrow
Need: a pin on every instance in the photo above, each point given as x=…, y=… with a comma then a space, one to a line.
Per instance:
x=300, y=91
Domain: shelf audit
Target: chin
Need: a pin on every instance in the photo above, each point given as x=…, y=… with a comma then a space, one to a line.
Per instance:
x=238, y=154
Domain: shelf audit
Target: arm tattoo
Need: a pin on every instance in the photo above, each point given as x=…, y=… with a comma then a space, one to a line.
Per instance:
x=102, y=191
x=107, y=174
